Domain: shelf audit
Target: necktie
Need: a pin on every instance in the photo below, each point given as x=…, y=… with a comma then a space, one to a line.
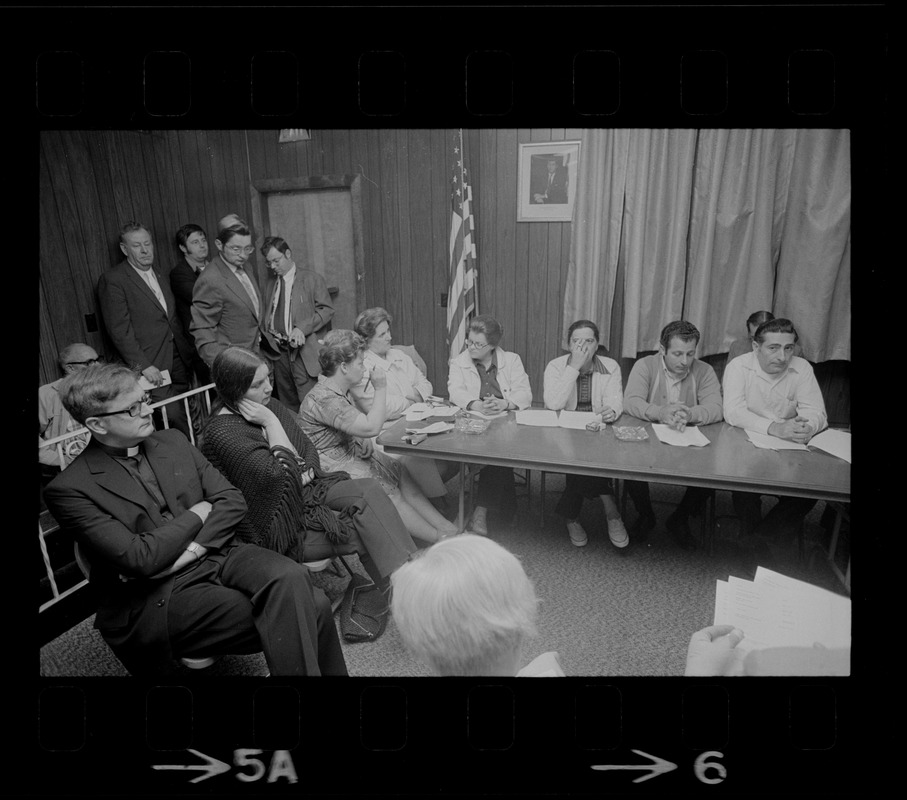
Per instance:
x=247, y=285
x=150, y=279
x=280, y=312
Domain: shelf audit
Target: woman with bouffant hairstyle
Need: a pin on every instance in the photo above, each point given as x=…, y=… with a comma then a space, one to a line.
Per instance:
x=343, y=434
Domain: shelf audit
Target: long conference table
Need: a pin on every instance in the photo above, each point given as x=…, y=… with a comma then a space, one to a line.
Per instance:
x=729, y=462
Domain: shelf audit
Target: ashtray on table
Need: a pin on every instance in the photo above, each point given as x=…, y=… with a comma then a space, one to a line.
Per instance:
x=466, y=424
x=627, y=433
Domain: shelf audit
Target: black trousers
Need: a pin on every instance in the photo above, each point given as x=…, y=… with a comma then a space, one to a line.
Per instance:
x=691, y=503
x=176, y=412
x=497, y=490
x=579, y=488
x=381, y=538
x=292, y=381
x=781, y=523
x=247, y=599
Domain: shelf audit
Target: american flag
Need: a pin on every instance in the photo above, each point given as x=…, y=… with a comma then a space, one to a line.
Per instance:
x=461, y=299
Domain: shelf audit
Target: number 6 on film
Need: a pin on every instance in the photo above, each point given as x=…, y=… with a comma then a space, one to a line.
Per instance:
x=704, y=763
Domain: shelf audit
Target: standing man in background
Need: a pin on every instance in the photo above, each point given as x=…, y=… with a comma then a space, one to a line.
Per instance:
x=193, y=244
x=299, y=314
x=139, y=312
x=227, y=302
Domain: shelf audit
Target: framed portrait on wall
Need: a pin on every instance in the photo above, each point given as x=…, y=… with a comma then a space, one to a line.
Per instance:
x=546, y=181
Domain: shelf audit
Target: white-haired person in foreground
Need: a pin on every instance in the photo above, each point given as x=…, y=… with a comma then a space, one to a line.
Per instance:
x=465, y=606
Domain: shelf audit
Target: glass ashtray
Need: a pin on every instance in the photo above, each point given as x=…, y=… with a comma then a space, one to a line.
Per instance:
x=628, y=433
x=466, y=424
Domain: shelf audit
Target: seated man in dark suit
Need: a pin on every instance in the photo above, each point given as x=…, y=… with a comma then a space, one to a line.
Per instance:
x=193, y=244
x=155, y=521
x=552, y=186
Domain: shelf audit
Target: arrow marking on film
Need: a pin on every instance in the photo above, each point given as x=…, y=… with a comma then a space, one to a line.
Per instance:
x=211, y=768
x=657, y=767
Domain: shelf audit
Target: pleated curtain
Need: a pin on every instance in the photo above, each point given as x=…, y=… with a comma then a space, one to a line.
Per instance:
x=709, y=226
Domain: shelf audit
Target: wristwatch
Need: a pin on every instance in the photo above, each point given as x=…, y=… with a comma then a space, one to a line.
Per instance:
x=195, y=548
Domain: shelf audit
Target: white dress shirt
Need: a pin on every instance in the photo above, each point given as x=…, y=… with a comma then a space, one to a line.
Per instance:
x=754, y=399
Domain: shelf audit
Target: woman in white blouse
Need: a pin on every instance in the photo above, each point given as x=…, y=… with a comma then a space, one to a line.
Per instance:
x=486, y=378
x=584, y=381
x=405, y=385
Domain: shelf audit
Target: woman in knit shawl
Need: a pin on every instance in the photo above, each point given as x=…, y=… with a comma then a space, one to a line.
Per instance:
x=294, y=506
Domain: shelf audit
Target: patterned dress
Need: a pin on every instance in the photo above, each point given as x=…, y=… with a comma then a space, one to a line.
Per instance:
x=326, y=417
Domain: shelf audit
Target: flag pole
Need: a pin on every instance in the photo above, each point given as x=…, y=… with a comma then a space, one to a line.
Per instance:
x=475, y=260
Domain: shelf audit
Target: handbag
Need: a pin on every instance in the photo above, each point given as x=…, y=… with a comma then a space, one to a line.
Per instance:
x=363, y=610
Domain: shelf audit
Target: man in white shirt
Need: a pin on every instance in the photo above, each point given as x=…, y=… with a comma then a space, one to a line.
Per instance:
x=139, y=312
x=772, y=391
x=299, y=312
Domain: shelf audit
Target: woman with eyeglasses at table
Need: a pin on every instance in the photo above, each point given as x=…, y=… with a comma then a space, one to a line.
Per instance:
x=405, y=385
x=343, y=434
x=585, y=381
x=488, y=379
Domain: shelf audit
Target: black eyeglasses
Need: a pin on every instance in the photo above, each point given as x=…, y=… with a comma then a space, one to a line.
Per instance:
x=134, y=410
x=83, y=363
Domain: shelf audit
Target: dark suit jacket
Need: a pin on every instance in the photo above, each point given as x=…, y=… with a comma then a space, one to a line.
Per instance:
x=311, y=310
x=139, y=327
x=557, y=191
x=182, y=282
x=223, y=313
x=121, y=532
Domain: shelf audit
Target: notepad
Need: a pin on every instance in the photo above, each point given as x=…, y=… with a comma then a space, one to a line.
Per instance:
x=688, y=437
x=419, y=411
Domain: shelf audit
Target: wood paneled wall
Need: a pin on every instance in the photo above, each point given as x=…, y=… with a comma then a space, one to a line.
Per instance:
x=91, y=182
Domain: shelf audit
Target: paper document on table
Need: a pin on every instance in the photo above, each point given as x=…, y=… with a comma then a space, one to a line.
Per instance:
x=835, y=442
x=435, y=427
x=542, y=417
x=688, y=437
x=577, y=419
x=767, y=442
x=148, y=385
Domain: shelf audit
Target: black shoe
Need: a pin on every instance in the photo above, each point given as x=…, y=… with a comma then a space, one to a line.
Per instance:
x=679, y=528
x=644, y=525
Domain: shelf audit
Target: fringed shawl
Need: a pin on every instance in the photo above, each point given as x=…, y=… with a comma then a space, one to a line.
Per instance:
x=280, y=508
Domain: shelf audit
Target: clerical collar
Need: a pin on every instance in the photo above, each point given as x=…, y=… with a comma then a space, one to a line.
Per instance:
x=119, y=452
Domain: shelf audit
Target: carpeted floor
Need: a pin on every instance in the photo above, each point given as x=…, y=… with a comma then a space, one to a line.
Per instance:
x=605, y=613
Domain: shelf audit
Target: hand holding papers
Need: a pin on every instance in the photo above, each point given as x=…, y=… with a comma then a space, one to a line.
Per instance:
x=835, y=442
x=148, y=385
x=776, y=611
x=688, y=437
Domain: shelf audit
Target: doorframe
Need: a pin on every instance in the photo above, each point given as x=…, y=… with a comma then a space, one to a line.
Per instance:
x=260, y=190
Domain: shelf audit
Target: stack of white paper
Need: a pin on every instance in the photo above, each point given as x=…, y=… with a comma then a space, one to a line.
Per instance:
x=419, y=411
x=777, y=611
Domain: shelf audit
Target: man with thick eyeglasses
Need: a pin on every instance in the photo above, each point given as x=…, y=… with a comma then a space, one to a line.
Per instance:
x=139, y=312
x=228, y=306
x=53, y=418
x=299, y=314
x=154, y=522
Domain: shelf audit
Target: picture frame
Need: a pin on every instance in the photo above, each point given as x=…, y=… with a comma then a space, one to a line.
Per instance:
x=546, y=181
